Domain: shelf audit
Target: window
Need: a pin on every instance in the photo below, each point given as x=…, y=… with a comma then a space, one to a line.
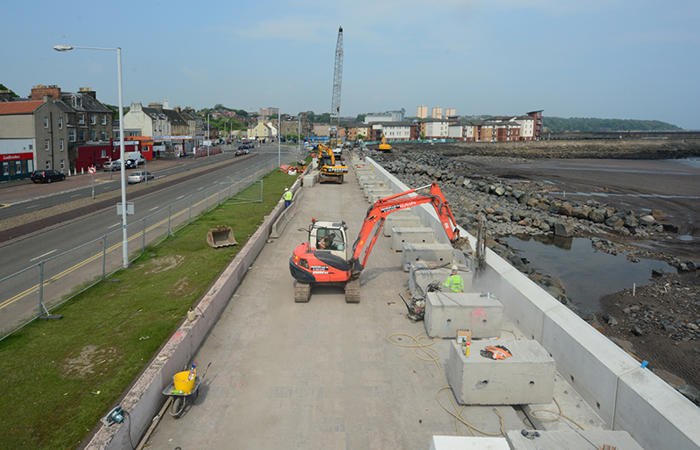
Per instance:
x=60, y=122
x=47, y=145
x=60, y=144
x=81, y=119
x=104, y=120
x=47, y=165
x=81, y=136
x=6, y=168
x=103, y=135
x=46, y=121
x=30, y=146
x=18, y=167
x=103, y=154
x=93, y=135
x=63, y=165
x=93, y=119
x=71, y=135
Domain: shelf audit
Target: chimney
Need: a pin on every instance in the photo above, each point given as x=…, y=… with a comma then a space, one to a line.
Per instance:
x=45, y=98
x=177, y=108
x=39, y=91
x=158, y=106
x=166, y=105
x=88, y=91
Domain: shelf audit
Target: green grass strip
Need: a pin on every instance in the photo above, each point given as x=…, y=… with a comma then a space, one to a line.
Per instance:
x=60, y=377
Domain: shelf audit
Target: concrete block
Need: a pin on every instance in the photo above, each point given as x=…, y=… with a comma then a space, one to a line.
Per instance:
x=433, y=253
x=376, y=195
x=421, y=276
x=400, y=220
x=526, y=377
x=412, y=235
x=572, y=440
x=654, y=413
x=447, y=312
x=310, y=179
x=468, y=443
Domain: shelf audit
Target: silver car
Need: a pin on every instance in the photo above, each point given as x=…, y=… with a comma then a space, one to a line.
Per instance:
x=137, y=177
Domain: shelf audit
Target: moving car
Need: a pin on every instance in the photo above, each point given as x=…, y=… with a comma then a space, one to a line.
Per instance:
x=47, y=176
x=137, y=177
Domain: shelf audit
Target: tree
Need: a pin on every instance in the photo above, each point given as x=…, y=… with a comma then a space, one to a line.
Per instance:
x=360, y=117
x=12, y=93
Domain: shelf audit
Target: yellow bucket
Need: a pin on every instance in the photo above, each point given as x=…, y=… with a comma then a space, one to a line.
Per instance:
x=181, y=383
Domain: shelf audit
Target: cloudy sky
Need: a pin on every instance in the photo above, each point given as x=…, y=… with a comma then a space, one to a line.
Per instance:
x=637, y=59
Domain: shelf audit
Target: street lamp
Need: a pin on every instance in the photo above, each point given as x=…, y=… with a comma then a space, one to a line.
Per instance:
x=279, y=135
x=125, y=240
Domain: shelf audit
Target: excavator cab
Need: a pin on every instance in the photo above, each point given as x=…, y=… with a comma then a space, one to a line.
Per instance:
x=329, y=237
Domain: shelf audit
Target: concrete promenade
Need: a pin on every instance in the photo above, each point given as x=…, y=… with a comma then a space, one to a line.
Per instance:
x=321, y=374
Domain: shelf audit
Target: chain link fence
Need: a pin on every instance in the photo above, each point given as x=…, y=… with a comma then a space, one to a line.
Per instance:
x=33, y=292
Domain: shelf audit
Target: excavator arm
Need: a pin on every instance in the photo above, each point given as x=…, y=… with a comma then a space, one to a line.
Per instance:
x=378, y=212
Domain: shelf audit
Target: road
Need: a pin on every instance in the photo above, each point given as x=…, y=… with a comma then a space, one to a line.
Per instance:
x=62, y=272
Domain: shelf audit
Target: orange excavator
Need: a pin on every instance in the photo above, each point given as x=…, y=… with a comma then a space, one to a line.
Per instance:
x=318, y=261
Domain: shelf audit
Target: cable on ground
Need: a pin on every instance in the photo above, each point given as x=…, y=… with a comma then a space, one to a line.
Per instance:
x=558, y=413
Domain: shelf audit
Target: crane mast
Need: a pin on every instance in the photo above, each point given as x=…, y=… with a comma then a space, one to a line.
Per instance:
x=337, y=82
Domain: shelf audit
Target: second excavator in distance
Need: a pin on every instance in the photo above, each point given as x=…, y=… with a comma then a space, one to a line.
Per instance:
x=320, y=260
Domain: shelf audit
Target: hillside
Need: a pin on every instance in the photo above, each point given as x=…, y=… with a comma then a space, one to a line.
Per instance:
x=589, y=124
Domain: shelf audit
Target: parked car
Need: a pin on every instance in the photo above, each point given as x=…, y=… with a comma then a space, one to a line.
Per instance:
x=47, y=176
x=137, y=177
x=110, y=166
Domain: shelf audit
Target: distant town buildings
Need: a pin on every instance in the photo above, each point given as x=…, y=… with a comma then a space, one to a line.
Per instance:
x=436, y=113
x=268, y=112
x=422, y=112
x=388, y=116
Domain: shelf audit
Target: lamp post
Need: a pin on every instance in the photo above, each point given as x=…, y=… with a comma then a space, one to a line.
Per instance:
x=279, y=135
x=125, y=240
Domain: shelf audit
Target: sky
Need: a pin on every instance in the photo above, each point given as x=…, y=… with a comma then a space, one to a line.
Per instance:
x=628, y=59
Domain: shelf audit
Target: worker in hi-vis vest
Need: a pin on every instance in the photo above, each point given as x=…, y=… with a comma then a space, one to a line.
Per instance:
x=287, y=197
x=455, y=282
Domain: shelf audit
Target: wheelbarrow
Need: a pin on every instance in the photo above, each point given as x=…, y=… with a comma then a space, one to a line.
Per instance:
x=182, y=397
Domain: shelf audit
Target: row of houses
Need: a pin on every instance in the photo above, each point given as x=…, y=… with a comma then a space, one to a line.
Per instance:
x=50, y=128
x=526, y=127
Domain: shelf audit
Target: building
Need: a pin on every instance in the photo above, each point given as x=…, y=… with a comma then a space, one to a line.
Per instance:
x=93, y=120
x=262, y=130
x=436, y=129
x=321, y=129
x=151, y=121
x=268, y=112
x=392, y=131
x=537, y=123
x=455, y=131
x=422, y=112
x=436, y=113
x=194, y=122
x=388, y=116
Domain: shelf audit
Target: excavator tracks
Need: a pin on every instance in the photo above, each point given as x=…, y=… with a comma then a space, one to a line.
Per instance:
x=302, y=292
x=352, y=291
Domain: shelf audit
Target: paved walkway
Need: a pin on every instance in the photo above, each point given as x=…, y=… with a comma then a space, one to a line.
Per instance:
x=320, y=375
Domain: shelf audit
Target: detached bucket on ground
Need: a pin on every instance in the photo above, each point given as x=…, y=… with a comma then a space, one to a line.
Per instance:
x=221, y=236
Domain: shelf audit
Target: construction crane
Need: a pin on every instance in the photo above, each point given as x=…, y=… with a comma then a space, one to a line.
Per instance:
x=337, y=82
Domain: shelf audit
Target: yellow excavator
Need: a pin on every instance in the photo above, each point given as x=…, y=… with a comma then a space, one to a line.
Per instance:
x=384, y=147
x=329, y=169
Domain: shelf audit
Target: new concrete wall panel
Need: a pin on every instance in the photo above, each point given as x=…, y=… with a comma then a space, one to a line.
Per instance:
x=655, y=414
x=586, y=358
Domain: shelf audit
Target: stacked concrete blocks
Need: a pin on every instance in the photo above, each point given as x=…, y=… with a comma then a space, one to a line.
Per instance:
x=526, y=377
x=571, y=440
x=447, y=312
x=421, y=275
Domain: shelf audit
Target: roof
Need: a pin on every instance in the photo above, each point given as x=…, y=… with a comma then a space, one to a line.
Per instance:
x=394, y=124
x=174, y=117
x=26, y=107
x=87, y=102
x=153, y=113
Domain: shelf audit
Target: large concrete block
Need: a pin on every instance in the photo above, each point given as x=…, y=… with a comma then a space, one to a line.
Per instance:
x=399, y=220
x=412, y=235
x=432, y=253
x=526, y=377
x=421, y=276
x=447, y=312
x=654, y=413
x=310, y=179
x=376, y=195
x=572, y=440
x=468, y=443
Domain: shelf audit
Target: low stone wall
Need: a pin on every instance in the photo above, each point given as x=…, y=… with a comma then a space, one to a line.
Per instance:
x=287, y=213
x=145, y=398
x=625, y=396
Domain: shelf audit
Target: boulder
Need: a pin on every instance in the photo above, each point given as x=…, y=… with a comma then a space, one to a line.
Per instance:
x=647, y=220
x=597, y=215
x=561, y=229
x=630, y=221
x=565, y=209
x=500, y=190
x=658, y=214
x=581, y=212
x=614, y=222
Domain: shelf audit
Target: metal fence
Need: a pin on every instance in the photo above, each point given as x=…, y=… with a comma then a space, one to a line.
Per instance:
x=33, y=292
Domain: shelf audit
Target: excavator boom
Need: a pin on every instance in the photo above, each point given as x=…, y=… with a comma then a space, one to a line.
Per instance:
x=378, y=212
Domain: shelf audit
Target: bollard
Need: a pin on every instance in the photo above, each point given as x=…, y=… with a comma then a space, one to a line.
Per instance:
x=634, y=289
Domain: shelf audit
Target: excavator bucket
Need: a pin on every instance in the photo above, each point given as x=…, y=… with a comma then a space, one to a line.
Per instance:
x=221, y=236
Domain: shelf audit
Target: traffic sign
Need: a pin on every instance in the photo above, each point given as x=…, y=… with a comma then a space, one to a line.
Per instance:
x=92, y=170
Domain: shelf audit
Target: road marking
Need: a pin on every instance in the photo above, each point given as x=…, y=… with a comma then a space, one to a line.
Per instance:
x=154, y=208
x=4, y=205
x=68, y=271
x=112, y=226
x=182, y=196
x=45, y=254
x=32, y=206
x=200, y=188
x=76, y=195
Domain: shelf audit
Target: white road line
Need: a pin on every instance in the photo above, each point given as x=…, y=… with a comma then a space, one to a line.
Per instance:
x=154, y=208
x=45, y=254
x=182, y=196
x=32, y=206
x=199, y=189
x=76, y=195
x=116, y=224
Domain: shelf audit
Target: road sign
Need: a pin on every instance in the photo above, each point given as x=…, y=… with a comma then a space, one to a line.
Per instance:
x=129, y=208
x=92, y=170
